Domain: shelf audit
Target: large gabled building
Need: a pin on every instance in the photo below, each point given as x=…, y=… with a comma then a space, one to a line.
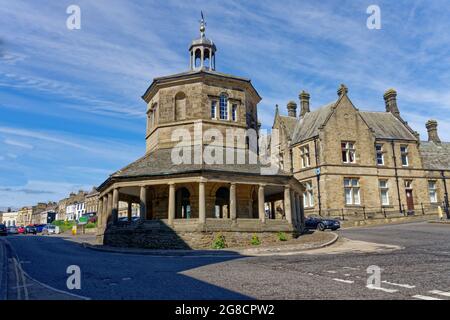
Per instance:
x=357, y=163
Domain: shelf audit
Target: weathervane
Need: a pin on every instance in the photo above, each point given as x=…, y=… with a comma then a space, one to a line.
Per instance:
x=202, y=25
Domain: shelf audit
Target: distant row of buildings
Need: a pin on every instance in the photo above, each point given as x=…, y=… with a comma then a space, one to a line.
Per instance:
x=68, y=209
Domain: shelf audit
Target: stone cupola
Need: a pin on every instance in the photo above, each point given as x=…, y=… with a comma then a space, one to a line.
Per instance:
x=304, y=103
x=432, y=131
x=202, y=52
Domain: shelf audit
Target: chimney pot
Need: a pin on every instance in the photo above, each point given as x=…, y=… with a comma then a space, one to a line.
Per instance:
x=433, y=136
x=390, y=99
x=292, y=109
x=304, y=103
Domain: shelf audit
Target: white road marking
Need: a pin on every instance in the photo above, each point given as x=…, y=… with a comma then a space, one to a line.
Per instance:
x=439, y=292
x=342, y=280
x=418, y=296
x=350, y=268
x=347, y=274
x=331, y=271
x=399, y=284
x=372, y=287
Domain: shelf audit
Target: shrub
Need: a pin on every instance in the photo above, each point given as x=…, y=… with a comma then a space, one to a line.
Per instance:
x=63, y=225
x=219, y=242
x=91, y=225
x=255, y=240
x=282, y=236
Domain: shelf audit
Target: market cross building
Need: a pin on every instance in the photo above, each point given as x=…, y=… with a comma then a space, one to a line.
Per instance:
x=188, y=204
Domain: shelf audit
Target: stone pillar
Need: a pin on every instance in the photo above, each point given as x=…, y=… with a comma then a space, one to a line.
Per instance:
x=201, y=202
x=109, y=210
x=143, y=203
x=233, y=214
x=299, y=210
x=210, y=60
x=294, y=206
x=171, y=216
x=99, y=212
x=261, y=211
x=104, y=214
x=287, y=204
x=202, y=59
x=115, y=205
x=129, y=213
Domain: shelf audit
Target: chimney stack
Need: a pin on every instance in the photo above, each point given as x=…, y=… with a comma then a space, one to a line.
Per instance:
x=292, y=109
x=390, y=99
x=304, y=103
x=432, y=131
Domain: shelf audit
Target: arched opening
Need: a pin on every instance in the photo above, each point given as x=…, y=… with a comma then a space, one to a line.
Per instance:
x=198, y=58
x=180, y=106
x=222, y=203
x=206, y=60
x=182, y=204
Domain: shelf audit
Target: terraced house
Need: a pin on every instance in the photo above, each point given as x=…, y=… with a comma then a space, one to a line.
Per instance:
x=357, y=163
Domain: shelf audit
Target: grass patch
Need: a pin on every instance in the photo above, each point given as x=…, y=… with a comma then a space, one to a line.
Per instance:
x=282, y=236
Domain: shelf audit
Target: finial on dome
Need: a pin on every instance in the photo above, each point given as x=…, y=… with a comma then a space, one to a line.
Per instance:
x=202, y=25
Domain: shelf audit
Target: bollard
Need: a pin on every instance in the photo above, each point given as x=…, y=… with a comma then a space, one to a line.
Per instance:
x=74, y=230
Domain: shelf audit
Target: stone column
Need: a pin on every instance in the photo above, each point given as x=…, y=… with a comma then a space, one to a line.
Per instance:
x=299, y=210
x=143, y=203
x=99, y=212
x=104, y=213
x=201, y=202
x=294, y=206
x=233, y=214
x=261, y=211
x=129, y=213
x=171, y=203
x=287, y=204
x=202, y=58
x=115, y=205
x=210, y=59
x=109, y=210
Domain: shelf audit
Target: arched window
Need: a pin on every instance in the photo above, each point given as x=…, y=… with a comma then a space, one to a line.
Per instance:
x=223, y=107
x=198, y=58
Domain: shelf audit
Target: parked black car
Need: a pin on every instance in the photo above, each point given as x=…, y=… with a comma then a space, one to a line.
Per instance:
x=3, y=230
x=31, y=229
x=321, y=223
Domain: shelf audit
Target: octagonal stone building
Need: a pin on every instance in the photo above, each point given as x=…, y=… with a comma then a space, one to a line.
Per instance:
x=201, y=174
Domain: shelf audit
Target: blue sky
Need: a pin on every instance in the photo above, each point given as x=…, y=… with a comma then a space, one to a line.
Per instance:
x=70, y=106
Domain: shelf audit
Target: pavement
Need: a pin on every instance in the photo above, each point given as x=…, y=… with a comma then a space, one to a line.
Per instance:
x=414, y=262
x=310, y=241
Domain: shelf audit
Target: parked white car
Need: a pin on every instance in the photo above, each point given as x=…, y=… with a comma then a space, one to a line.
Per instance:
x=50, y=229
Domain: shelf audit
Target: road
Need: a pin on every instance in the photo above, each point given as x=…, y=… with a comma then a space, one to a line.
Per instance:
x=419, y=270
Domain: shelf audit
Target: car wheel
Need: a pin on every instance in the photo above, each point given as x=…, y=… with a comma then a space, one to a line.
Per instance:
x=321, y=227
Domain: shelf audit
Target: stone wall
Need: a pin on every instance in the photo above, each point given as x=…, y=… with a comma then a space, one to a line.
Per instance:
x=157, y=235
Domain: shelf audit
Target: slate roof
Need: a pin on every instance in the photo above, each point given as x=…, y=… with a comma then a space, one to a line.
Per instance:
x=308, y=125
x=289, y=123
x=159, y=163
x=386, y=126
x=435, y=156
